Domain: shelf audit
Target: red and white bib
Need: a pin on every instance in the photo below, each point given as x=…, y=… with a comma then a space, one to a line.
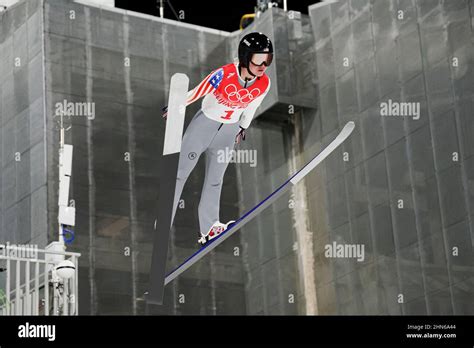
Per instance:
x=228, y=99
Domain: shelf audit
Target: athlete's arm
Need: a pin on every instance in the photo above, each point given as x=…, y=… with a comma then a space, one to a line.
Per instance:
x=206, y=86
x=249, y=112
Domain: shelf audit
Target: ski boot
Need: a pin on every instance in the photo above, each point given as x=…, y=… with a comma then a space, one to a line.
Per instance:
x=214, y=231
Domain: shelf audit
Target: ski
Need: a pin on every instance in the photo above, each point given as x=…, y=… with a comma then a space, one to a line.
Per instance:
x=169, y=169
x=248, y=216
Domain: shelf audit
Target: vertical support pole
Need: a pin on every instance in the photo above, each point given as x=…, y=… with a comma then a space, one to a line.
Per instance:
x=27, y=309
x=8, y=290
x=46, y=289
x=18, y=288
x=36, y=298
x=75, y=286
x=65, y=310
x=55, y=298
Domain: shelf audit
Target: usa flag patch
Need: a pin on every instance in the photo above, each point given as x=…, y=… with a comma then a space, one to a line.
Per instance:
x=216, y=78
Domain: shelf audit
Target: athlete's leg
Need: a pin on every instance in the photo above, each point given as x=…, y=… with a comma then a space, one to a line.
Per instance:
x=216, y=165
x=196, y=139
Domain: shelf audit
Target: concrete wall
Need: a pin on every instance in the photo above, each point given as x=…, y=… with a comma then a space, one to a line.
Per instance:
x=23, y=190
x=410, y=249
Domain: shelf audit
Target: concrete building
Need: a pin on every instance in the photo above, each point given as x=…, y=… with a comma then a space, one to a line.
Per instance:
x=401, y=186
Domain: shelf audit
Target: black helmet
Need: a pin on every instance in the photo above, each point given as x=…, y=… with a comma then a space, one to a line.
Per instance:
x=254, y=43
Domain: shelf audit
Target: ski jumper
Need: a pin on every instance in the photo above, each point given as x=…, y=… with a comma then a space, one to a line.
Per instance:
x=226, y=107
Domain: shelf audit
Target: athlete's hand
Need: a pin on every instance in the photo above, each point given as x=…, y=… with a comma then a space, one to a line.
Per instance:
x=165, y=112
x=240, y=136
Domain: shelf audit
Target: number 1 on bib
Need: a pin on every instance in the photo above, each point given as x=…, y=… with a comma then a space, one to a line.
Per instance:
x=227, y=115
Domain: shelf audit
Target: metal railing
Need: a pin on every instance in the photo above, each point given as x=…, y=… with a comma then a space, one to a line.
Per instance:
x=32, y=286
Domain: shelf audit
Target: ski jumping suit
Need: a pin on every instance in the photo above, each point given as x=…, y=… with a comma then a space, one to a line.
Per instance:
x=226, y=107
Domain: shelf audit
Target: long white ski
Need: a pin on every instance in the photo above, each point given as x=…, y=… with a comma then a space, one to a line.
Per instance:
x=169, y=169
x=341, y=137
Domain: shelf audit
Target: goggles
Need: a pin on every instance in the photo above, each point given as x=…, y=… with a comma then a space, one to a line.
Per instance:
x=260, y=59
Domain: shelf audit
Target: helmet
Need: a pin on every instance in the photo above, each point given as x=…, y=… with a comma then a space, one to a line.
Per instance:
x=254, y=43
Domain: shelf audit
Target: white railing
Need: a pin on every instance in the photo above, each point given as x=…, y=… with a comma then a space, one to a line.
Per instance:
x=32, y=285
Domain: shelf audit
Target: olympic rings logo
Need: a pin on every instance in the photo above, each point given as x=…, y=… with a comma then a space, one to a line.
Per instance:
x=242, y=96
